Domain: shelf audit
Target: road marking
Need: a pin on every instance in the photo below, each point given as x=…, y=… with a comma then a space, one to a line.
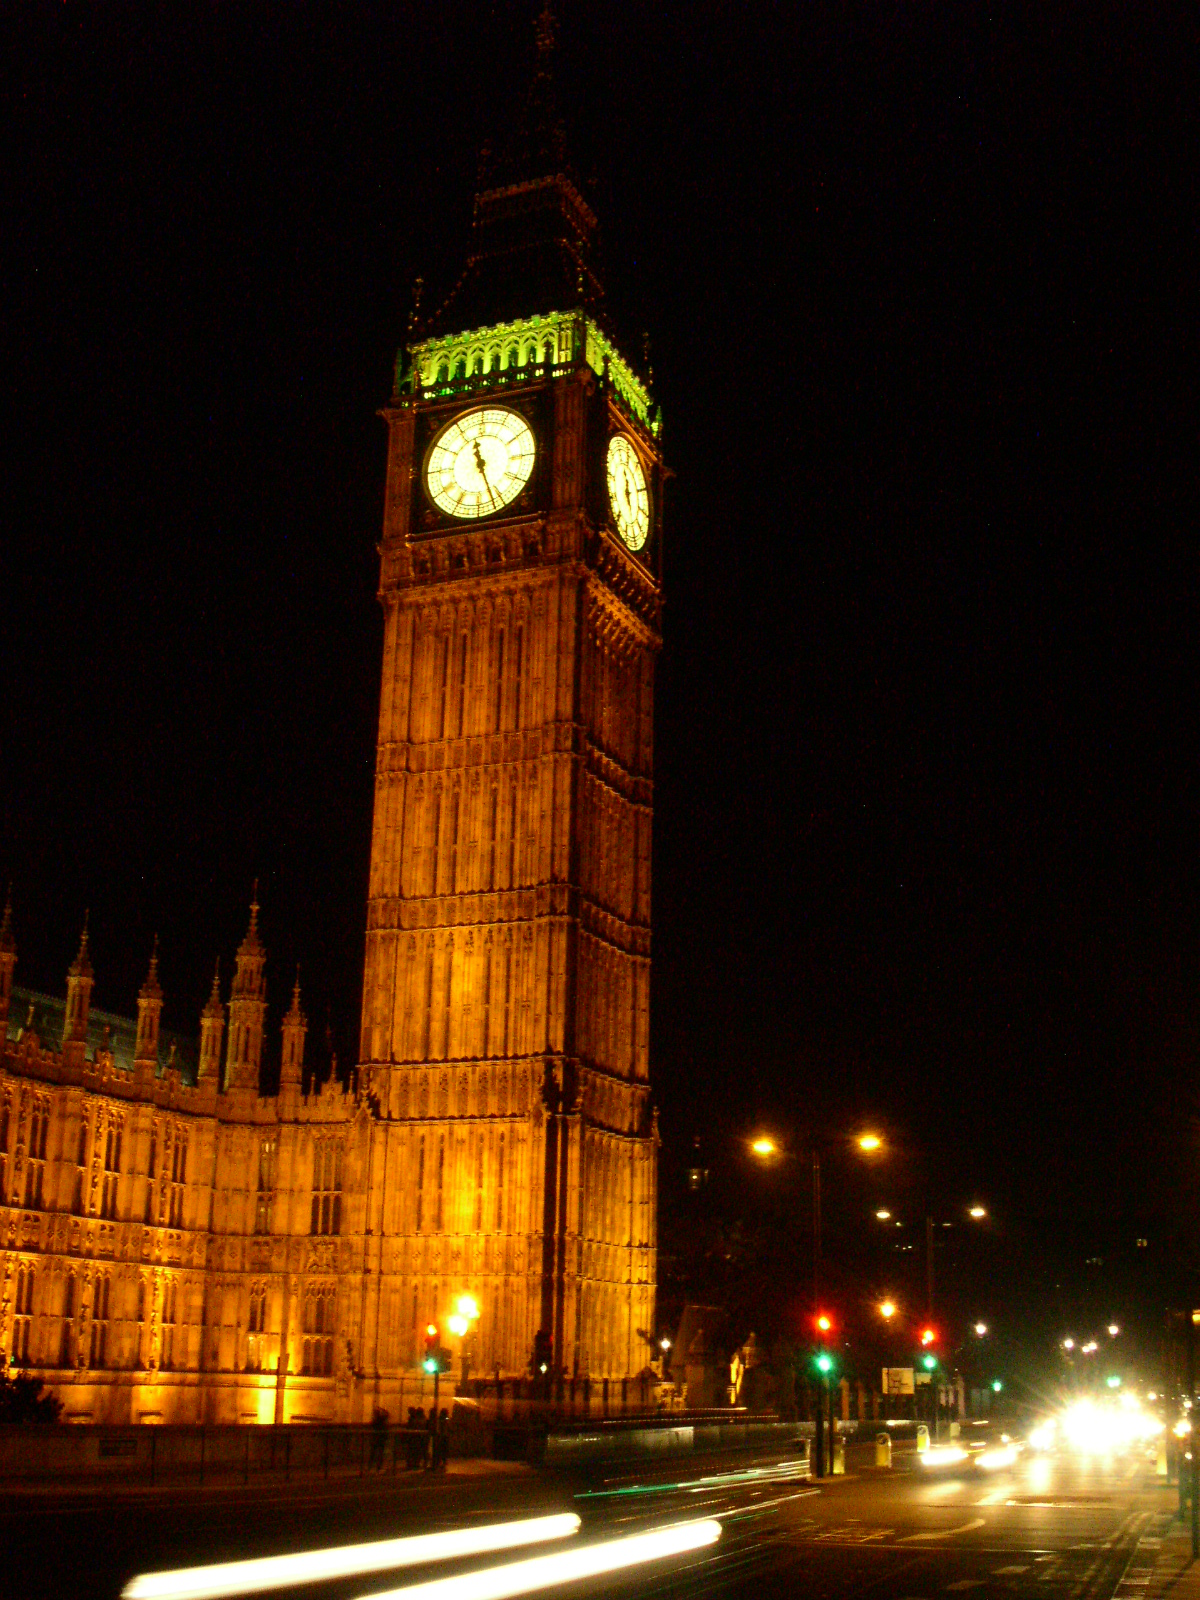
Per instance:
x=945, y=1533
x=1004, y=1572
x=993, y=1499
x=964, y=1583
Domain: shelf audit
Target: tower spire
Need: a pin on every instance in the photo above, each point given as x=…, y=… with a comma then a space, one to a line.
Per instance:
x=295, y=1026
x=79, y=994
x=149, y=1017
x=212, y=1025
x=247, y=1008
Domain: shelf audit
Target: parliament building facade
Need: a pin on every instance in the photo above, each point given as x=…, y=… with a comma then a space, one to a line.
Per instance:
x=175, y=1244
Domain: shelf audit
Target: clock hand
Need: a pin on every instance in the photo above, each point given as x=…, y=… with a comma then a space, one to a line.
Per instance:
x=481, y=465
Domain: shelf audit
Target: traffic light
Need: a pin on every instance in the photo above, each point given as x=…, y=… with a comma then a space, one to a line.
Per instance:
x=824, y=1363
x=929, y=1362
x=928, y=1336
x=543, y=1352
x=996, y=1386
x=433, y=1349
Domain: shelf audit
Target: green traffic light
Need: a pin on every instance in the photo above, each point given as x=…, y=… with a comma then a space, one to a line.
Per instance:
x=430, y=1364
x=824, y=1363
x=996, y=1386
x=1114, y=1382
x=929, y=1362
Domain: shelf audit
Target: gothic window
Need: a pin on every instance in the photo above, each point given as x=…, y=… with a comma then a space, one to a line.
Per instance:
x=150, y=1173
x=100, y=1321
x=39, y=1128
x=512, y=838
x=490, y=881
x=139, y=1352
x=4, y=1126
x=487, y=1002
x=22, y=1317
x=178, y=1178
x=421, y=1184
x=512, y=356
x=479, y=1184
x=435, y=832
x=500, y=1186
x=462, y=685
x=460, y=368
x=441, y=1180
x=319, y=1313
x=67, y=1343
x=443, y=372
x=520, y=685
x=112, y=1170
x=327, y=1187
x=443, y=683
x=455, y=808
x=499, y=679
x=266, y=1186
x=477, y=364
x=258, y=1324
x=167, y=1360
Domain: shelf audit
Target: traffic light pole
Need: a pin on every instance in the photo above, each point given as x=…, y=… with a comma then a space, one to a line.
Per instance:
x=819, y=1431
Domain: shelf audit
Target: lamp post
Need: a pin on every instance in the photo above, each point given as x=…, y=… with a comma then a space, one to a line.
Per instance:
x=466, y=1314
x=766, y=1149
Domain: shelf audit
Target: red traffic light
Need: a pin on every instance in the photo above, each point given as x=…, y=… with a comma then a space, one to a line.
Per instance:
x=824, y=1322
x=928, y=1336
x=431, y=1332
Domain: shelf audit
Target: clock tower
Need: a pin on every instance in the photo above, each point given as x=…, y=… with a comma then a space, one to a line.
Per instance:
x=505, y=1024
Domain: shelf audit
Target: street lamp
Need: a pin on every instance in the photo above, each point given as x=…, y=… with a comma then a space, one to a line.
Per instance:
x=981, y=1330
x=766, y=1149
x=884, y=1214
x=466, y=1312
x=1113, y=1330
x=978, y=1212
x=887, y=1310
x=1068, y=1343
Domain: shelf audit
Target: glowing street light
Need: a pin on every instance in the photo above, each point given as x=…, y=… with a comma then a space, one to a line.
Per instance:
x=1068, y=1343
x=981, y=1329
x=887, y=1310
x=1113, y=1330
x=884, y=1214
x=869, y=1142
x=764, y=1147
x=978, y=1212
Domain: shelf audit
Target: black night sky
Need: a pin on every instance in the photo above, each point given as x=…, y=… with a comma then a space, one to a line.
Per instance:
x=914, y=278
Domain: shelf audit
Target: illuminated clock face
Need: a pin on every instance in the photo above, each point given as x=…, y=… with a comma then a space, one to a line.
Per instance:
x=480, y=462
x=627, y=492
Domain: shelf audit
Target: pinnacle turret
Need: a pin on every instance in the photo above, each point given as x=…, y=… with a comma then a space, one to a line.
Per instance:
x=212, y=1026
x=295, y=1026
x=79, y=996
x=151, y=989
x=149, y=1017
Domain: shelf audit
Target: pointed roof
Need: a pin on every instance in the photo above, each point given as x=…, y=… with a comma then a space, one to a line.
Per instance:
x=533, y=233
x=296, y=1015
x=81, y=967
x=252, y=945
x=214, y=1008
x=152, y=989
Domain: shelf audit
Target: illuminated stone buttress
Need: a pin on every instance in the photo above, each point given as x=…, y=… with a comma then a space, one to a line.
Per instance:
x=505, y=1035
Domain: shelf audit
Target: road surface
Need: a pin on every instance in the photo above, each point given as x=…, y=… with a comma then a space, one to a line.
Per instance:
x=1051, y=1528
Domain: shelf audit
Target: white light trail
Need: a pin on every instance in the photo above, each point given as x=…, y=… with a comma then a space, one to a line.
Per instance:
x=566, y=1566
x=345, y=1561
